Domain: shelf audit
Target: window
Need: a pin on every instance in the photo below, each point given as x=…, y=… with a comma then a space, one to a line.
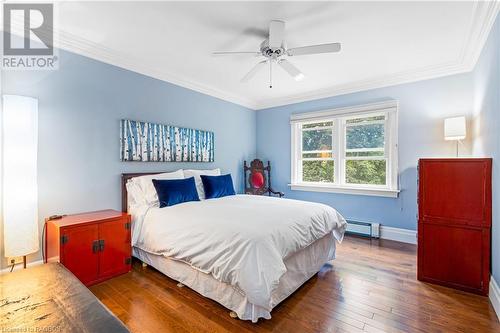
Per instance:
x=317, y=152
x=348, y=150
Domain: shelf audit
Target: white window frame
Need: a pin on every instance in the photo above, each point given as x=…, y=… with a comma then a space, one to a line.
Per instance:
x=339, y=117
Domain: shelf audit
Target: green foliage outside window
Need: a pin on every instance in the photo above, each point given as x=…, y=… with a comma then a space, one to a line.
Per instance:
x=318, y=171
x=366, y=172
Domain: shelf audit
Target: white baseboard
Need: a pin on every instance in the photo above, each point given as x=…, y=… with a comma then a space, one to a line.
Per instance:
x=20, y=266
x=495, y=296
x=398, y=234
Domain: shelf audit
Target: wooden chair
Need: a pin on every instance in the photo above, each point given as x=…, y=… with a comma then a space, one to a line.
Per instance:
x=258, y=183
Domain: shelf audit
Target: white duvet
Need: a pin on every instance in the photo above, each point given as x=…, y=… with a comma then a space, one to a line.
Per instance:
x=241, y=240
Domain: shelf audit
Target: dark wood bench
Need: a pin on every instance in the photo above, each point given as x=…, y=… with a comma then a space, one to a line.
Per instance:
x=49, y=298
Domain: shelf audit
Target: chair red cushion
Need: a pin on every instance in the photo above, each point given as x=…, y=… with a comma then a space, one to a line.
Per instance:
x=257, y=179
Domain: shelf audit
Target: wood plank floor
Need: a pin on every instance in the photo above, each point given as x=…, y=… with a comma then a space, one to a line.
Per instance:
x=371, y=287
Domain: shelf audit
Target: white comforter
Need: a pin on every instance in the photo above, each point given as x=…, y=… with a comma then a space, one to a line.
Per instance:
x=241, y=240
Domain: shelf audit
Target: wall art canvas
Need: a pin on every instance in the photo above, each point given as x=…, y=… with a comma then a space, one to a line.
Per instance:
x=149, y=142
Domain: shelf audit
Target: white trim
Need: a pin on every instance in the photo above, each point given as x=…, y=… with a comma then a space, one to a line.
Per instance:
x=19, y=266
x=377, y=192
x=484, y=12
x=482, y=18
x=358, y=109
x=78, y=45
x=495, y=296
x=101, y=53
x=398, y=234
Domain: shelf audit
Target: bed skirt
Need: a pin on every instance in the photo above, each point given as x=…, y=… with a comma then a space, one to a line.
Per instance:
x=301, y=266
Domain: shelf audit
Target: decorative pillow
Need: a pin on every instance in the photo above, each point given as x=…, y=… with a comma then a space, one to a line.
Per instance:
x=175, y=191
x=217, y=186
x=146, y=185
x=196, y=174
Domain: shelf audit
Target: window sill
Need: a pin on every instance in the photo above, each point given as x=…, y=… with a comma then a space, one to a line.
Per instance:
x=378, y=192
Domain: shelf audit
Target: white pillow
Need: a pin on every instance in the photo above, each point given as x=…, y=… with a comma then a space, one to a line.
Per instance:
x=135, y=196
x=146, y=184
x=197, y=179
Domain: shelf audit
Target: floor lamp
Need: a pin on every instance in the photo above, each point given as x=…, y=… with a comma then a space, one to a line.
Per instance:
x=19, y=175
x=455, y=129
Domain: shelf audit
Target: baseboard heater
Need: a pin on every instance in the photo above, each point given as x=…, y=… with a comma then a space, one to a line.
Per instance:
x=365, y=229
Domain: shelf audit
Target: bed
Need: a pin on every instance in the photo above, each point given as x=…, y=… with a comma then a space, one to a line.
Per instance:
x=246, y=252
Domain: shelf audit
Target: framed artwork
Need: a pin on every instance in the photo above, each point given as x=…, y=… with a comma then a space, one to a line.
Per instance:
x=150, y=142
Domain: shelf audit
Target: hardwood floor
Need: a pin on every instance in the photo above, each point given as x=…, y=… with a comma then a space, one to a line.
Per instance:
x=371, y=287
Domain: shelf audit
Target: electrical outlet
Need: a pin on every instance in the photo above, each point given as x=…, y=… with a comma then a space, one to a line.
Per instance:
x=15, y=260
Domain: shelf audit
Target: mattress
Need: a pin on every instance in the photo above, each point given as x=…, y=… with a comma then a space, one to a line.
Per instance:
x=300, y=267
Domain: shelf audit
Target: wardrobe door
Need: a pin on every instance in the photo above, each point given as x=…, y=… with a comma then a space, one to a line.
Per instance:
x=454, y=223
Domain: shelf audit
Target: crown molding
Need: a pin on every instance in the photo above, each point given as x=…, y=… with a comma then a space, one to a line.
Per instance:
x=99, y=52
x=485, y=12
x=482, y=19
x=358, y=86
x=75, y=44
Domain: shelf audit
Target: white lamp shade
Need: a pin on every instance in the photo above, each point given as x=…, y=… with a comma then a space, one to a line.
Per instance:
x=454, y=128
x=20, y=190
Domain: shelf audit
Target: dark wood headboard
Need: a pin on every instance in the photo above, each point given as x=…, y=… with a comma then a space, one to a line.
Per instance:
x=125, y=178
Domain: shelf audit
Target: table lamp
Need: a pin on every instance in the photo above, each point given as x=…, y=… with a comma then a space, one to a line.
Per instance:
x=455, y=129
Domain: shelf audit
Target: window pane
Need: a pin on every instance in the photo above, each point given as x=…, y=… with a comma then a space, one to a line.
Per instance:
x=365, y=119
x=317, y=140
x=362, y=153
x=365, y=172
x=317, y=171
x=323, y=154
x=365, y=136
x=313, y=125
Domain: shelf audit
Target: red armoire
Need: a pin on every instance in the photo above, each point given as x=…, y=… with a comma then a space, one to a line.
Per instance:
x=454, y=223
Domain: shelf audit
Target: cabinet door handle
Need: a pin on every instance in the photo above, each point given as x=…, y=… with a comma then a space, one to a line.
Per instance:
x=101, y=245
x=64, y=239
x=95, y=246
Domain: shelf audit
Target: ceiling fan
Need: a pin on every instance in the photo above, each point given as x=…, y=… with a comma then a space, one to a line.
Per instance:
x=274, y=49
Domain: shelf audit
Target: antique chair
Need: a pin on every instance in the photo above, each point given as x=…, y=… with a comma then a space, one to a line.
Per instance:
x=258, y=182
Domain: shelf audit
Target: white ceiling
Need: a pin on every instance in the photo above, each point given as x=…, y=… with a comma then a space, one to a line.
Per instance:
x=383, y=43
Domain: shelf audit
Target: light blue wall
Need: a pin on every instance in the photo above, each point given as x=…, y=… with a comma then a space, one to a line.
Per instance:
x=422, y=107
x=487, y=125
x=80, y=106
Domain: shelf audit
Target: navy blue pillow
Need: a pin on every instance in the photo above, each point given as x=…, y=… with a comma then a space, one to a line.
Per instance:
x=175, y=191
x=217, y=186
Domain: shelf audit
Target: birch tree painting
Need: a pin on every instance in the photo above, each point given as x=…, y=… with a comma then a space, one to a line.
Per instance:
x=148, y=142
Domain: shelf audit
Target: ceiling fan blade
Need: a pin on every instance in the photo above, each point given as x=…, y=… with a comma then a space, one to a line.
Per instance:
x=217, y=53
x=276, y=33
x=291, y=69
x=314, y=49
x=253, y=71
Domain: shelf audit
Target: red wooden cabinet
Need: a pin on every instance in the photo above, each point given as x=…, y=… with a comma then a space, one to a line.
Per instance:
x=454, y=224
x=94, y=246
